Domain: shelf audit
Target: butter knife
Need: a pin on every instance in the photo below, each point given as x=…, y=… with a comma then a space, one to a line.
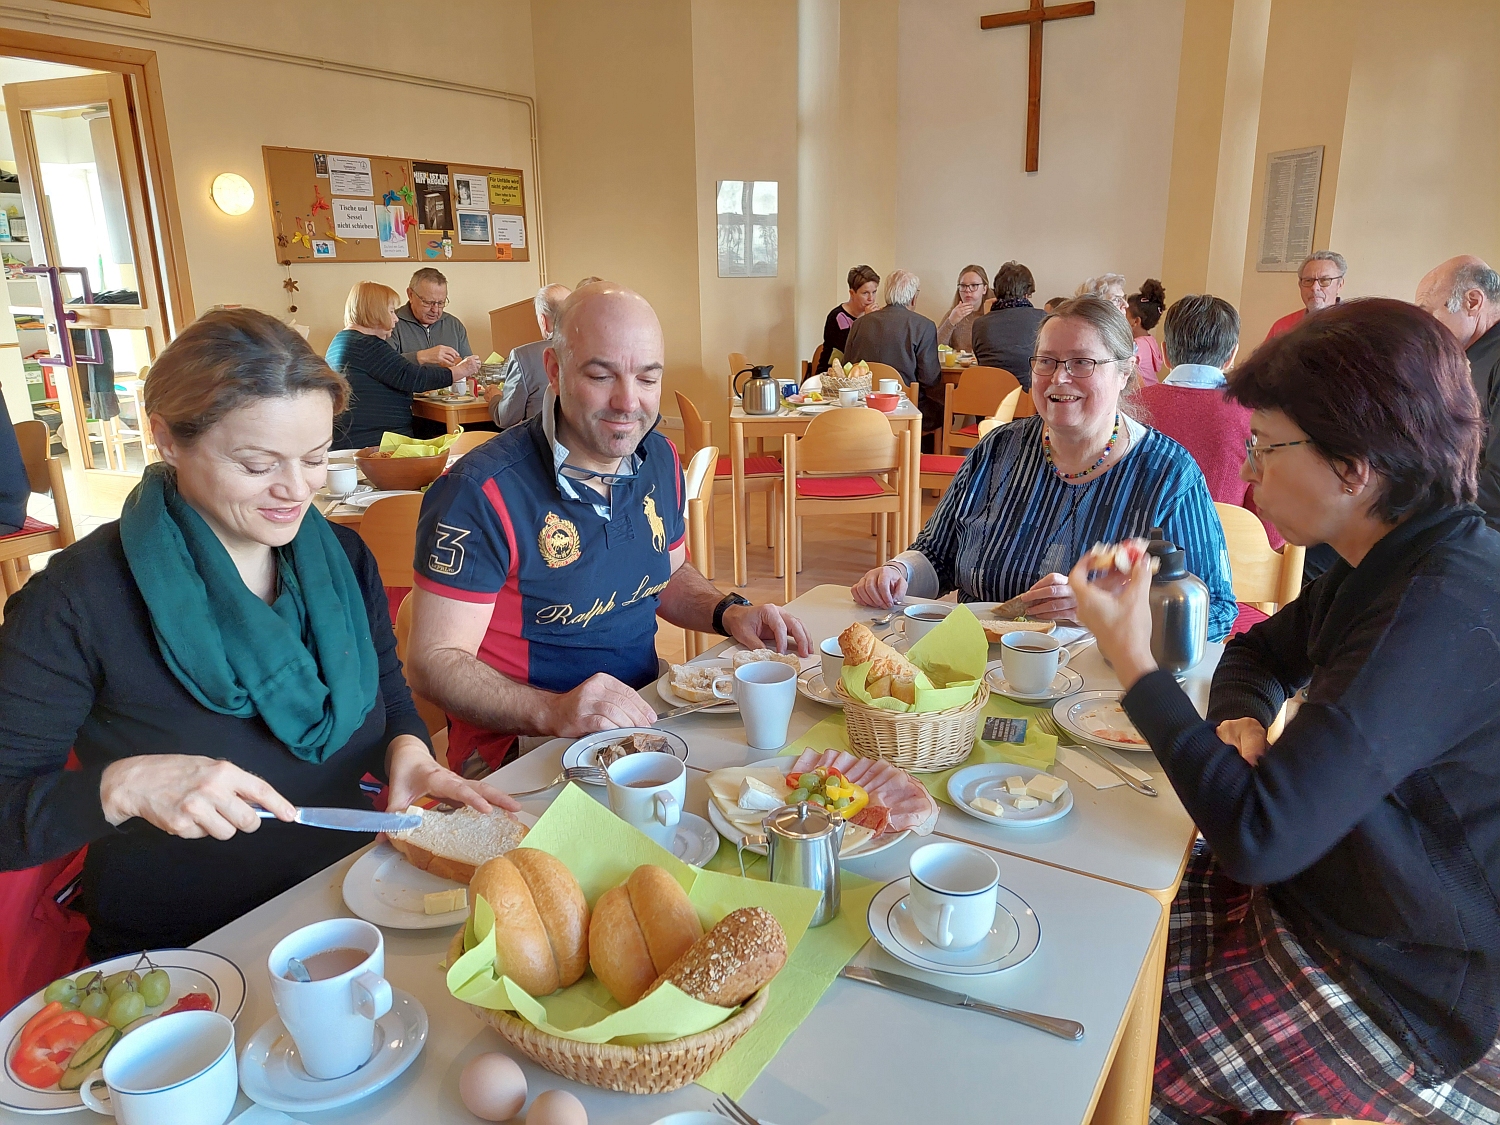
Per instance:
x=350, y=820
x=689, y=708
x=1063, y=1029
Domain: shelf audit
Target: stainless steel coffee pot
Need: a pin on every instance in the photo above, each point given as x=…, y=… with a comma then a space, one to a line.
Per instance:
x=760, y=395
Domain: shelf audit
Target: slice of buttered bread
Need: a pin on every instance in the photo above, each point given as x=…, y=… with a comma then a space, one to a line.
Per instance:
x=452, y=845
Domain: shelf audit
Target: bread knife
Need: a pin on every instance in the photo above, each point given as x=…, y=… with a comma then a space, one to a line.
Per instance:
x=350, y=820
x=1063, y=1029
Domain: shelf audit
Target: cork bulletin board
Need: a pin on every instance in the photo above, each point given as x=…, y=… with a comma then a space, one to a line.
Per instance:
x=351, y=207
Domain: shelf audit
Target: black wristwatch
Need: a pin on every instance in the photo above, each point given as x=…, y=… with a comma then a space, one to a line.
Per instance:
x=727, y=601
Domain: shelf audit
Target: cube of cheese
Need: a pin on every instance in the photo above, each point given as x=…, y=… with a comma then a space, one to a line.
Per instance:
x=1045, y=787
x=758, y=796
x=988, y=805
x=1026, y=804
x=1015, y=784
x=443, y=902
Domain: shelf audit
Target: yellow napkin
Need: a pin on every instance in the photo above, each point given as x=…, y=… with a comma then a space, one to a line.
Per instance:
x=950, y=663
x=399, y=445
x=601, y=851
x=494, y=357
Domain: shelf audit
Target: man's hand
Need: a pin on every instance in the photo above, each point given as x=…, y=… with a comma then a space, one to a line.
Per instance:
x=466, y=368
x=882, y=587
x=440, y=355
x=1051, y=599
x=756, y=626
x=493, y=392
x=601, y=702
x=1245, y=735
x=414, y=773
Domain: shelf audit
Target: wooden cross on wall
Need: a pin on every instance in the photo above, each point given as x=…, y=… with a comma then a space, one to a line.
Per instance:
x=1035, y=15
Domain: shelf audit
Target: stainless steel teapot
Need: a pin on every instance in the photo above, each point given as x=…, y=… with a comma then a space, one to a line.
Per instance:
x=760, y=394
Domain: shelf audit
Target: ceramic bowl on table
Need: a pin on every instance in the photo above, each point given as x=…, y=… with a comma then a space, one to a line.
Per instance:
x=885, y=403
x=399, y=473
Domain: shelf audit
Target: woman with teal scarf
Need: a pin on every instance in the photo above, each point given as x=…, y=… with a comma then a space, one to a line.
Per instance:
x=221, y=647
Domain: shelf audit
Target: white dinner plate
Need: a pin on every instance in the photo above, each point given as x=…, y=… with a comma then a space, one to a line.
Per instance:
x=1013, y=938
x=190, y=970
x=1066, y=682
x=365, y=499
x=272, y=1075
x=1098, y=719
x=381, y=887
x=664, y=689
x=584, y=752
x=988, y=780
x=783, y=763
x=810, y=685
x=817, y=407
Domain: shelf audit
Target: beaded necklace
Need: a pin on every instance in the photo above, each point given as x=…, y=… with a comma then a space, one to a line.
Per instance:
x=1047, y=452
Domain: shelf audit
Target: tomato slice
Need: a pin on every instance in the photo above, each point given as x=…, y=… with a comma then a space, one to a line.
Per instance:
x=46, y=1046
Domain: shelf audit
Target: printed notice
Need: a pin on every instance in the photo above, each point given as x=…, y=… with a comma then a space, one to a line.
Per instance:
x=474, y=228
x=469, y=192
x=391, y=222
x=1290, y=209
x=505, y=189
x=354, y=218
x=350, y=175
x=510, y=230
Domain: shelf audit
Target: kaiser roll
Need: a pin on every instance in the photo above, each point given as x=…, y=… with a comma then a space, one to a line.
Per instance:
x=638, y=929
x=541, y=919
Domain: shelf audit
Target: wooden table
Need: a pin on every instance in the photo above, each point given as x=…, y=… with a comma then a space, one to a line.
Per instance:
x=455, y=418
x=743, y=427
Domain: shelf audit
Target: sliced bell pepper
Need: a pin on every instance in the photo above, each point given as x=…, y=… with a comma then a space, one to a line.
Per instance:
x=46, y=1047
x=857, y=801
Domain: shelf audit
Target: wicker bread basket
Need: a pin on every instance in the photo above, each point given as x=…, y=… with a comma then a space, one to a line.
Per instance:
x=836, y=383
x=918, y=742
x=649, y=1068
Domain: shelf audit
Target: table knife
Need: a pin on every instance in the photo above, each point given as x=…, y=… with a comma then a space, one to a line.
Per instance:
x=351, y=820
x=689, y=708
x=1063, y=1029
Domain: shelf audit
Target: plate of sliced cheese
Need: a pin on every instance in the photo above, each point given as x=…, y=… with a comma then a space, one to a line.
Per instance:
x=1010, y=795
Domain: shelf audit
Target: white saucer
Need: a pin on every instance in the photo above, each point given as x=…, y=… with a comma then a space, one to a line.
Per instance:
x=810, y=685
x=583, y=752
x=696, y=841
x=664, y=689
x=1066, y=682
x=271, y=1072
x=1013, y=938
x=988, y=780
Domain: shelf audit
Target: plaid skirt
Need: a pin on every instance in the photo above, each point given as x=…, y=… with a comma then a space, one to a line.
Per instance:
x=1257, y=1029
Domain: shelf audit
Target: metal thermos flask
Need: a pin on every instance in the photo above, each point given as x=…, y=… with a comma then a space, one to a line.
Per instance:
x=760, y=394
x=803, y=843
x=1179, y=608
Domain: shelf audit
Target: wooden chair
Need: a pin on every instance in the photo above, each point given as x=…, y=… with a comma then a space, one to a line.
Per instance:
x=389, y=529
x=847, y=462
x=44, y=473
x=762, y=474
x=433, y=715
x=698, y=487
x=879, y=371
x=810, y=366
x=1025, y=406
x=1261, y=576
x=738, y=361
x=469, y=441
x=985, y=392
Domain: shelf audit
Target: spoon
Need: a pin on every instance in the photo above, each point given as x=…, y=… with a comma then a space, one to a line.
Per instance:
x=886, y=620
x=298, y=971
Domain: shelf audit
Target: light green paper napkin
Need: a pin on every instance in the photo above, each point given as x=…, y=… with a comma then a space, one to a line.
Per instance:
x=601, y=851
x=950, y=660
x=399, y=445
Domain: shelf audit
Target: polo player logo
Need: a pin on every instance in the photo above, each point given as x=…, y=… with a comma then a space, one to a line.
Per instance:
x=559, y=542
x=658, y=527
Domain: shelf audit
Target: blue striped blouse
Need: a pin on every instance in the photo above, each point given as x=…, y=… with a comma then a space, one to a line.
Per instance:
x=1008, y=519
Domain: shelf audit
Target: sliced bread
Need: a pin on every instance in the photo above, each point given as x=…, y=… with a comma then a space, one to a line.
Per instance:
x=452, y=845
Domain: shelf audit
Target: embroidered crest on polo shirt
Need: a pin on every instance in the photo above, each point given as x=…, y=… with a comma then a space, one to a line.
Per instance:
x=658, y=526
x=448, y=552
x=559, y=541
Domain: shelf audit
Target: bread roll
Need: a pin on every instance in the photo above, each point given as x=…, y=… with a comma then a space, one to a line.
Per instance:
x=639, y=929
x=541, y=919
x=453, y=845
x=733, y=961
x=665, y=914
x=859, y=646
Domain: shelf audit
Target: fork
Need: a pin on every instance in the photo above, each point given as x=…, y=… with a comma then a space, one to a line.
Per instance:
x=586, y=774
x=1049, y=724
x=725, y=1106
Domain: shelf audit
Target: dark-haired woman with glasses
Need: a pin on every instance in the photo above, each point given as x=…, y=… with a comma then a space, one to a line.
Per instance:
x=1034, y=495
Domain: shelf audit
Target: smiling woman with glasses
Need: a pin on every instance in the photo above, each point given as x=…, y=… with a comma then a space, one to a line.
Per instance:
x=1335, y=946
x=1034, y=495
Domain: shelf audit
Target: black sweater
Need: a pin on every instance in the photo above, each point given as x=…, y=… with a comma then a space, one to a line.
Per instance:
x=15, y=488
x=381, y=383
x=1374, y=820
x=80, y=668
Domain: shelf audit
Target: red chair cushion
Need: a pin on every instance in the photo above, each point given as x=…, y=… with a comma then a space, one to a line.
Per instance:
x=31, y=527
x=394, y=596
x=1248, y=616
x=938, y=463
x=754, y=467
x=838, y=488
x=969, y=431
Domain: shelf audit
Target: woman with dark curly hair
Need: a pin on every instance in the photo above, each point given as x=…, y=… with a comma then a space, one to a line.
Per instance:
x=1143, y=312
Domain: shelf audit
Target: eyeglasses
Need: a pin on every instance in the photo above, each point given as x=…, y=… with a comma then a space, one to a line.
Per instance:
x=971, y=285
x=1320, y=282
x=1254, y=453
x=1045, y=366
x=442, y=304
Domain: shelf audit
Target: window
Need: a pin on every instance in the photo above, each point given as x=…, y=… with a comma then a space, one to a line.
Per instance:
x=747, y=228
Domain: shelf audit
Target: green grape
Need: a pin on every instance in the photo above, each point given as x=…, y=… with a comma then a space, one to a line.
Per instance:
x=95, y=1004
x=819, y=799
x=126, y=1008
x=115, y=978
x=84, y=981
x=131, y=982
x=154, y=987
x=841, y=803
x=63, y=991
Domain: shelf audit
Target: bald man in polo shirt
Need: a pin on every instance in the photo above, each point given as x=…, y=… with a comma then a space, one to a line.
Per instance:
x=545, y=555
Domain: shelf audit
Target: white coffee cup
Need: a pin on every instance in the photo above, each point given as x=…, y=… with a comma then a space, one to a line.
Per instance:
x=766, y=691
x=647, y=792
x=1031, y=661
x=833, y=662
x=922, y=618
x=891, y=387
x=332, y=1021
x=179, y=1068
x=848, y=396
x=342, y=479
x=952, y=894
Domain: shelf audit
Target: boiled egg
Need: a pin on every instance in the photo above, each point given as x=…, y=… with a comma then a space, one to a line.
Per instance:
x=557, y=1107
x=493, y=1087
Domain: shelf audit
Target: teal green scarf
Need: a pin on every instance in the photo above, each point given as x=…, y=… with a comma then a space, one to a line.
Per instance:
x=306, y=664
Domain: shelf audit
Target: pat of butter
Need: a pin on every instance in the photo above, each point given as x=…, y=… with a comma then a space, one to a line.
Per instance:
x=1044, y=787
x=1015, y=785
x=757, y=795
x=1025, y=804
x=444, y=902
x=988, y=805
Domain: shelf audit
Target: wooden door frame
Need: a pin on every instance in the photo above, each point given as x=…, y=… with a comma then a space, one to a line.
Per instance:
x=147, y=107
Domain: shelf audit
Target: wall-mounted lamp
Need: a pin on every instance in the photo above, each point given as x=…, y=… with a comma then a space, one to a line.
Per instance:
x=233, y=193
